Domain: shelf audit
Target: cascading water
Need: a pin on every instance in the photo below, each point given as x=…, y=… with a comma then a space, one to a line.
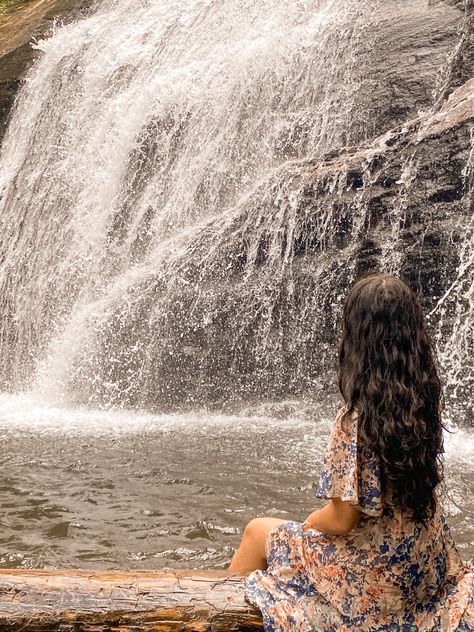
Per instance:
x=187, y=190
x=152, y=193
x=455, y=308
x=136, y=137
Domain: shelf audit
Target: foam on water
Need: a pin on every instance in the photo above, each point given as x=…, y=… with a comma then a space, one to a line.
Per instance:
x=28, y=413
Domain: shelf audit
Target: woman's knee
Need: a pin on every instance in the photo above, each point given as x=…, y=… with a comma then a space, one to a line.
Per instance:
x=251, y=554
x=258, y=529
x=252, y=527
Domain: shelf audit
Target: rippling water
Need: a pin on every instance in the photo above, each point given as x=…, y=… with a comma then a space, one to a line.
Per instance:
x=116, y=489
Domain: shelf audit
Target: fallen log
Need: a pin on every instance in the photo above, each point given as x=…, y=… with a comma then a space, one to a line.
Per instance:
x=148, y=601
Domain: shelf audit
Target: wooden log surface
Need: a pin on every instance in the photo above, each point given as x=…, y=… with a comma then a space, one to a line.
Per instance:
x=36, y=600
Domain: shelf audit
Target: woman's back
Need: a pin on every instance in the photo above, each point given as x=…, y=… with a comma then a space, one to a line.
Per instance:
x=389, y=562
x=388, y=573
x=378, y=555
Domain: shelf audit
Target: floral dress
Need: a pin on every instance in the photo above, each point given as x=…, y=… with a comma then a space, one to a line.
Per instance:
x=388, y=574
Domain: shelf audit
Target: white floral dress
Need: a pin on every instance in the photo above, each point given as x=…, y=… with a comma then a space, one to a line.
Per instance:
x=388, y=574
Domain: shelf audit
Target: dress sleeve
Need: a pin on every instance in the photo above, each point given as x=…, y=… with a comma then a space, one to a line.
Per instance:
x=350, y=472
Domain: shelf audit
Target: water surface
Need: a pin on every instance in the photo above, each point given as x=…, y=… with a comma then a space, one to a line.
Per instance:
x=101, y=490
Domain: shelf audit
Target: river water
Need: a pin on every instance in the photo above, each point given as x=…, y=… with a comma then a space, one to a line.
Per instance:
x=94, y=489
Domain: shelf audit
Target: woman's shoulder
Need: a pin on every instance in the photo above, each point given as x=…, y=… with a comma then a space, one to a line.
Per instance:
x=346, y=421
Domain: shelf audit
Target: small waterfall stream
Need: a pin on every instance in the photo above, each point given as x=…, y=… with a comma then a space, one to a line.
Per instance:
x=455, y=308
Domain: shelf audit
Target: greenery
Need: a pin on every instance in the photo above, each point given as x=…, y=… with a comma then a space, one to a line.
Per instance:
x=5, y=5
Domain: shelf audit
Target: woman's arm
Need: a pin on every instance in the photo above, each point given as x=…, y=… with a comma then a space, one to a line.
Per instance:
x=338, y=517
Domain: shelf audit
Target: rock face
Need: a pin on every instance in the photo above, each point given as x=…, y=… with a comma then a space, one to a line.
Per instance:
x=214, y=275
x=402, y=203
x=419, y=52
x=17, y=31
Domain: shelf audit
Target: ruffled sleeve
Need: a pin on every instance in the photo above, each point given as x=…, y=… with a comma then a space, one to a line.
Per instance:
x=350, y=472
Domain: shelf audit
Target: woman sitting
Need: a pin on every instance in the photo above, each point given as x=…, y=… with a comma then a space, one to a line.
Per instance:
x=379, y=555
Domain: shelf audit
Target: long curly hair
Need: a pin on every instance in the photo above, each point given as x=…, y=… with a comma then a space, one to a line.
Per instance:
x=388, y=376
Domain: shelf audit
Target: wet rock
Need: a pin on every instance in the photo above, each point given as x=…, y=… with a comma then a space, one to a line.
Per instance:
x=23, y=26
x=420, y=53
x=258, y=299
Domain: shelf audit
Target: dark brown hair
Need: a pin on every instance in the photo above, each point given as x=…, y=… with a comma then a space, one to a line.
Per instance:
x=388, y=376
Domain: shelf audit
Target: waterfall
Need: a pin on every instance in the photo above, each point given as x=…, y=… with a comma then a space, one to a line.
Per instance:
x=455, y=308
x=173, y=230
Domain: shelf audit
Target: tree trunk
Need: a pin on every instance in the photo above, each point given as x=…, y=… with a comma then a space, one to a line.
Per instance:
x=113, y=601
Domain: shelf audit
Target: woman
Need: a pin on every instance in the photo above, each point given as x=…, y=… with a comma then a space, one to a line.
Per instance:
x=378, y=555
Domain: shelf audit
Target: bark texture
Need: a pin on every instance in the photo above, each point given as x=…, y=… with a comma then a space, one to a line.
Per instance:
x=83, y=601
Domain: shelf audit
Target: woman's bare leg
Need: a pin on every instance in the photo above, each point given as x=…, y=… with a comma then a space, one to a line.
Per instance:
x=251, y=554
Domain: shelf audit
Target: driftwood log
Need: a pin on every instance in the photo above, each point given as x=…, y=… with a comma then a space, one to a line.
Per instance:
x=84, y=601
